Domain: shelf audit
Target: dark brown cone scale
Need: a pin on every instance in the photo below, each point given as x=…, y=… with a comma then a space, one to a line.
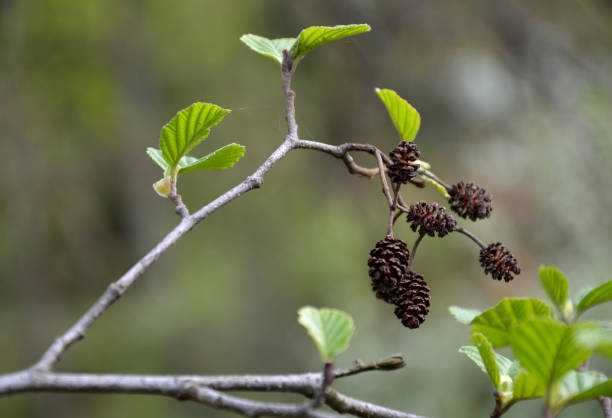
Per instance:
x=388, y=264
x=428, y=218
x=403, y=165
x=497, y=260
x=412, y=302
x=470, y=201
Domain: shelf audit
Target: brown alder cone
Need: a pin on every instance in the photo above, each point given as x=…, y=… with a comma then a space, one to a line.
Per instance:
x=388, y=264
x=429, y=219
x=470, y=201
x=497, y=260
x=403, y=167
x=412, y=302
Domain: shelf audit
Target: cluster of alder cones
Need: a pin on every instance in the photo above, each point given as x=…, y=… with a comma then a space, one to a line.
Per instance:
x=390, y=262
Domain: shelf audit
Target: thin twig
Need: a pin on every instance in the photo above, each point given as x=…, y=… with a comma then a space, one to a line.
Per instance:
x=250, y=408
x=347, y=405
x=383, y=179
x=342, y=152
x=176, y=198
x=414, y=249
x=287, y=70
x=472, y=237
x=327, y=378
x=606, y=406
x=392, y=362
x=397, y=215
x=432, y=176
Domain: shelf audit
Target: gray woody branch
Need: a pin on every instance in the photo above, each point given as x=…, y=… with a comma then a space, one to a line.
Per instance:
x=208, y=390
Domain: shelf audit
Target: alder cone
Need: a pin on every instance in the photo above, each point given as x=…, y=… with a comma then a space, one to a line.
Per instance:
x=470, y=201
x=429, y=219
x=403, y=167
x=412, y=302
x=497, y=260
x=388, y=264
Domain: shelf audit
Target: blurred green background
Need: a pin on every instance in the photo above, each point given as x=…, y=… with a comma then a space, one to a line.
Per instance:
x=516, y=96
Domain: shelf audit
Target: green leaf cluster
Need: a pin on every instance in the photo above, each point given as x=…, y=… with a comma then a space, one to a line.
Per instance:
x=182, y=134
x=307, y=40
x=549, y=344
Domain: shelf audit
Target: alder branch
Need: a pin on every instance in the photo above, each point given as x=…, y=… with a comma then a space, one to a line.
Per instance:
x=342, y=152
x=208, y=389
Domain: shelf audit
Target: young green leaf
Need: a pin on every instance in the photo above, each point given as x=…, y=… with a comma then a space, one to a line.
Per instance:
x=314, y=36
x=527, y=386
x=330, y=329
x=602, y=389
x=272, y=48
x=224, y=157
x=578, y=386
x=463, y=315
x=488, y=357
x=514, y=369
x=156, y=155
x=600, y=294
x=598, y=340
x=548, y=349
x=187, y=129
x=496, y=323
x=405, y=117
x=555, y=285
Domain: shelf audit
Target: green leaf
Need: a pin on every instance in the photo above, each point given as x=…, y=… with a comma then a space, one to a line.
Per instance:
x=314, y=36
x=548, y=349
x=488, y=357
x=405, y=117
x=330, y=329
x=187, y=129
x=602, y=389
x=497, y=322
x=555, y=285
x=598, y=340
x=156, y=155
x=504, y=364
x=437, y=185
x=224, y=157
x=600, y=294
x=272, y=48
x=463, y=315
x=578, y=386
x=527, y=386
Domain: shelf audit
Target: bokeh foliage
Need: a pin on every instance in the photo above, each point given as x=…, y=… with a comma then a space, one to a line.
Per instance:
x=514, y=96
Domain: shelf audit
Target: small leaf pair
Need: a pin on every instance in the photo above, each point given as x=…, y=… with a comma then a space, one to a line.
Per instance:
x=307, y=40
x=182, y=134
x=556, y=287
